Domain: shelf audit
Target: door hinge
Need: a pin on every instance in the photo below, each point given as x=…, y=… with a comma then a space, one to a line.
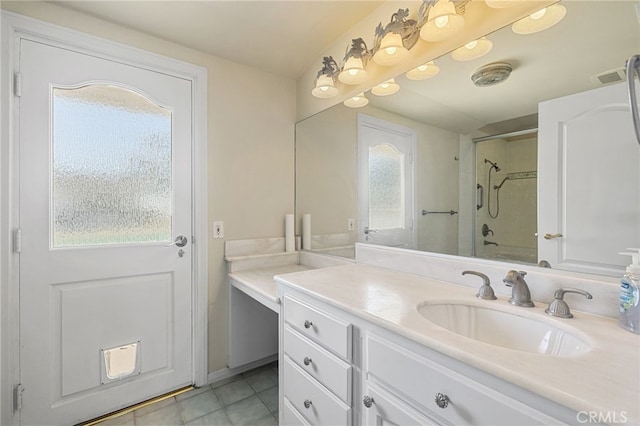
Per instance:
x=17, y=240
x=17, y=84
x=18, y=390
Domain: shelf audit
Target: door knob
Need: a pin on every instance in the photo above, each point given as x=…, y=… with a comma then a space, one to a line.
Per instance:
x=180, y=241
x=548, y=236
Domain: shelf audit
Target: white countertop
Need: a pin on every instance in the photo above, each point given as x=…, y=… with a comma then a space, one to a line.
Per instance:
x=259, y=283
x=606, y=379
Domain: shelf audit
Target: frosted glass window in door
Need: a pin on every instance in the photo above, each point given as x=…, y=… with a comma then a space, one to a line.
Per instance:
x=111, y=174
x=386, y=188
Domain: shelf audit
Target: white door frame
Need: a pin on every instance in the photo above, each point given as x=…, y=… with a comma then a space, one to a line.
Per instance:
x=14, y=28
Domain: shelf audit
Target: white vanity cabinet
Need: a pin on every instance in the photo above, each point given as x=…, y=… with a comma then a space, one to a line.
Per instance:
x=432, y=390
x=340, y=369
x=315, y=365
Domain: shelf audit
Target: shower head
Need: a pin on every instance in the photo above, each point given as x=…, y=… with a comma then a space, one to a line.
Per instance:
x=493, y=165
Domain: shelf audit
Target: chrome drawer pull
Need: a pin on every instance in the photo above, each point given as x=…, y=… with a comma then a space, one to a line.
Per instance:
x=308, y=324
x=307, y=360
x=442, y=400
x=307, y=403
x=368, y=401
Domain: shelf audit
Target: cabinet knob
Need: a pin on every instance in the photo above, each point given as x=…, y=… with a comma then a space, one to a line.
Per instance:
x=368, y=401
x=307, y=403
x=308, y=324
x=307, y=360
x=442, y=400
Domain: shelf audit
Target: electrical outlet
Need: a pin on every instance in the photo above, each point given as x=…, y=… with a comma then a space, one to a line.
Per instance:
x=351, y=224
x=218, y=229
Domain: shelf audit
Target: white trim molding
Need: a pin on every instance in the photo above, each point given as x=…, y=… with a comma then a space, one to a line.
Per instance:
x=14, y=28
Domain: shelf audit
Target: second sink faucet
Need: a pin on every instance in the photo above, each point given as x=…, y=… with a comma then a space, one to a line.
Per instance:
x=520, y=295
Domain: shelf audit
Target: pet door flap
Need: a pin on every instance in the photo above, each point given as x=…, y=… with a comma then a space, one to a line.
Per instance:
x=120, y=362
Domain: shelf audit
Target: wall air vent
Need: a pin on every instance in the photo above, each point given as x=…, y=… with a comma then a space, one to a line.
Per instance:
x=608, y=77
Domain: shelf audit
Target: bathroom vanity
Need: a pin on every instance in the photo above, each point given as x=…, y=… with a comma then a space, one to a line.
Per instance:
x=361, y=344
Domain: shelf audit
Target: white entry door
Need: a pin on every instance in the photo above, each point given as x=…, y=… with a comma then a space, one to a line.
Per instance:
x=105, y=194
x=385, y=183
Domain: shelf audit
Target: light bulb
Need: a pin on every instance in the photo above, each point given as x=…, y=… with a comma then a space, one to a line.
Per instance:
x=442, y=21
x=540, y=20
x=423, y=71
x=388, y=87
x=391, y=50
x=353, y=72
x=472, y=50
x=471, y=44
x=539, y=14
x=356, y=101
x=324, y=87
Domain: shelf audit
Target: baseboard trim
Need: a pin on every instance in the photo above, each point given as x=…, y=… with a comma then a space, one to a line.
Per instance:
x=229, y=372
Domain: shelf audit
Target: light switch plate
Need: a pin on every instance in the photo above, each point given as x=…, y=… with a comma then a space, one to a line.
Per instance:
x=218, y=229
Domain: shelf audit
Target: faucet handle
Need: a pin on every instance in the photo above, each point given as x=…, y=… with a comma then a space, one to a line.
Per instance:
x=558, y=307
x=486, y=291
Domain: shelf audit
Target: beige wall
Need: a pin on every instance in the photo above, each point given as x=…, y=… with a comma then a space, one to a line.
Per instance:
x=326, y=174
x=251, y=116
x=326, y=170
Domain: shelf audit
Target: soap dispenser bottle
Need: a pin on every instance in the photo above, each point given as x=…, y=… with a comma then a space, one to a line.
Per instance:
x=630, y=293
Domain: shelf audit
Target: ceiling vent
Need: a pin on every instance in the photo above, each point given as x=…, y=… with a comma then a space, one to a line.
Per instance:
x=491, y=74
x=608, y=77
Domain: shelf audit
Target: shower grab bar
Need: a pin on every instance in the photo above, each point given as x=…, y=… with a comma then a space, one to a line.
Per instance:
x=633, y=66
x=480, y=204
x=450, y=212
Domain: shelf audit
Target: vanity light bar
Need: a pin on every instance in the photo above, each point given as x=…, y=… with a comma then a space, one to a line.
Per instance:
x=438, y=20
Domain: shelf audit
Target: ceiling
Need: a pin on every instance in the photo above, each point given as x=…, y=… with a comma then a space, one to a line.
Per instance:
x=593, y=38
x=280, y=37
x=285, y=37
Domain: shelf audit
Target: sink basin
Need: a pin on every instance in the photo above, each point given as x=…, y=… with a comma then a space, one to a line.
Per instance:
x=505, y=329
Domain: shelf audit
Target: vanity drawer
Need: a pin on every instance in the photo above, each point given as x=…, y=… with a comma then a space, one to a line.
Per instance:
x=325, y=367
x=417, y=380
x=332, y=333
x=322, y=407
x=290, y=416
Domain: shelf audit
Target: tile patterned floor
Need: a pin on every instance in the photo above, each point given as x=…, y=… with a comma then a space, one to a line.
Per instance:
x=250, y=398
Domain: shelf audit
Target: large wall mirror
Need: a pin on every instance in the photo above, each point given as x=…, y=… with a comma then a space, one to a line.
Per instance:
x=476, y=148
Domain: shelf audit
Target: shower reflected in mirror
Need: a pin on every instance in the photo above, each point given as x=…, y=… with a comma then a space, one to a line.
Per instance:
x=505, y=224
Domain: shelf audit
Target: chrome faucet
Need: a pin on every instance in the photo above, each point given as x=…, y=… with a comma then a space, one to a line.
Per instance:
x=485, y=292
x=520, y=295
x=558, y=307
